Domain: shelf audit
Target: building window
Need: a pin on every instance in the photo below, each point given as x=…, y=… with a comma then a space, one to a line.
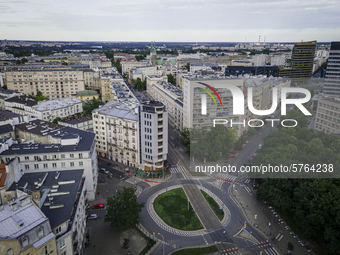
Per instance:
x=36, y=166
x=62, y=164
x=54, y=165
x=81, y=163
x=45, y=166
x=58, y=230
x=71, y=163
x=71, y=155
x=27, y=157
x=62, y=155
x=80, y=155
x=51, y=247
x=62, y=243
x=9, y=252
x=24, y=242
x=40, y=232
x=27, y=167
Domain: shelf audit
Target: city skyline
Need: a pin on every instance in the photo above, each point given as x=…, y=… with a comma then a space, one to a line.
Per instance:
x=171, y=21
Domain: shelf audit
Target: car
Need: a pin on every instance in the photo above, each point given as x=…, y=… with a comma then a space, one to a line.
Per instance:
x=295, y=236
x=251, y=159
x=270, y=207
x=93, y=216
x=233, y=152
x=276, y=215
x=98, y=206
x=292, y=233
x=287, y=227
x=232, y=156
x=103, y=170
x=260, y=146
x=110, y=175
x=253, y=156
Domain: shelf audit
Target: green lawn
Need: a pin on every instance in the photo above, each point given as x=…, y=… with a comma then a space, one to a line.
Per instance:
x=315, y=88
x=214, y=206
x=193, y=173
x=173, y=210
x=197, y=251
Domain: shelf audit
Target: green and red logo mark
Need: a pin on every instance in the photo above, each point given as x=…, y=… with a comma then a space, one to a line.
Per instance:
x=213, y=90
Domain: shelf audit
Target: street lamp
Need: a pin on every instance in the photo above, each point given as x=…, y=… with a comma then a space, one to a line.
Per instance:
x=163, y=241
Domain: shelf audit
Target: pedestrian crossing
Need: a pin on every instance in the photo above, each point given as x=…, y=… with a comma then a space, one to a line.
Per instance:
x=247, y=189
x=230, y=251
x=176, y=169
x=225, y=177
x=247, y=181
x=133, y=180
x=270, y=251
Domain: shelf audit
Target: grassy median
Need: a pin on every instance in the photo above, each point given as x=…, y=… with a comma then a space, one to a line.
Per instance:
x=173, y=210
x=214, y=206
x=197, y=251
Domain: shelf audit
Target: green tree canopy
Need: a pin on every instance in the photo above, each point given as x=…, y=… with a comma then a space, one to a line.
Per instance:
x=90, y=105
x=171, y=79
x=56, y=120
x=123, y=209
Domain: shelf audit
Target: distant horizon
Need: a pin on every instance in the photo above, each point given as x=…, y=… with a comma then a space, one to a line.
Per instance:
x=158, y=42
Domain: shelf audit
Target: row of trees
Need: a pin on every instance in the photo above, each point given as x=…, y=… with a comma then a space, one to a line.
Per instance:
x=313, y=203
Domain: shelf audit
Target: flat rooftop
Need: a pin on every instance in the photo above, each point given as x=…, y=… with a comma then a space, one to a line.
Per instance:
x=56, y=104
x=123, y=109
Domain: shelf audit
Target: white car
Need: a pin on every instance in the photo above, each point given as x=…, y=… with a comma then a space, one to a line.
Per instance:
x=103, y=170
x=93, y=216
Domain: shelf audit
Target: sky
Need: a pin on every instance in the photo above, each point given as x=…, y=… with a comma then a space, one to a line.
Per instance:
x=171, y=20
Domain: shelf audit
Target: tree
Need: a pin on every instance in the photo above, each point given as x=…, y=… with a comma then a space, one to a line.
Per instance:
x=171, y=79
x=40, y=97
x=4, y=87
x=187, y=66
x=123, y=209
x=56, y=120
x=90, y=105
x=117, y=64
x=139, y=84
x=290, y=246
x=252, y=131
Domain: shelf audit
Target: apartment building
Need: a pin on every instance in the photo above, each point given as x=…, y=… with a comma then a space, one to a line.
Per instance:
x=106, y=89
x=141, y=72
x=22, y=105
x=56, y=83
x=51, y=109
x=128, y=65
x=68, y=149
x=92, y=78
x=79, y=122
x=259, y=59
x=278, y=60
x=86, y=95
x=5, y=94
x=153, y=135
x=332, y=78
x=61, y=197
x=193, y=94
x=171, y=96
x=25, y=229
x=116, y=129
x=328, y=115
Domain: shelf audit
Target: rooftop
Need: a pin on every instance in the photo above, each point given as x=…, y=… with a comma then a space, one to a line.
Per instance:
x=24, y=218
x=86, y=93
x=75, y=119
x=6, y=129
x=61, y=188
x=174, y=91
x=56, y=104
x=38, y=127
x=81, y=141
x=6, y=115
x=22, y=100
x=124, y=109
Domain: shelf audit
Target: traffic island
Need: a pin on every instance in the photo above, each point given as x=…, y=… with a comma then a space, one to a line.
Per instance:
x=176, y=211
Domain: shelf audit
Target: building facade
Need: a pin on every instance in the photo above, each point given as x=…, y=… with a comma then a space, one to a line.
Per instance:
x=153, y=135
x=328, y=116
x=57, y=83
x=170, y=96
x=332, y=78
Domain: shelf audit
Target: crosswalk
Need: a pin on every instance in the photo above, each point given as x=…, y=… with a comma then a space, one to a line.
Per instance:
x=230, y=251
x=176, y=169
x=266, y=248
x=247, y=181
x=270, y=251
x=247, y=189
x=225, y=177
x=279, y=237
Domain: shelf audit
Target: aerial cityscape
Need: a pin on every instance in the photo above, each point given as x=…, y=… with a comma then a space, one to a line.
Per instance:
x=191, y=127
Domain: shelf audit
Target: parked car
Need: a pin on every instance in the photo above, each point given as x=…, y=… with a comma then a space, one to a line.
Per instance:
x=98, y=206
x=233, y=152
x=103, y=170
x=93, y=216
x=110, y=175
x=232, y=156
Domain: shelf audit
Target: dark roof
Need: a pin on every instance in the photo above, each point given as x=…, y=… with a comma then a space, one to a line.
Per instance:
x=22, y=100
x=36, y=126
x=75, y=120
x=6, y=129
x=59, y=215
x=335, y=46
x=85, y=143
x=5, y=115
